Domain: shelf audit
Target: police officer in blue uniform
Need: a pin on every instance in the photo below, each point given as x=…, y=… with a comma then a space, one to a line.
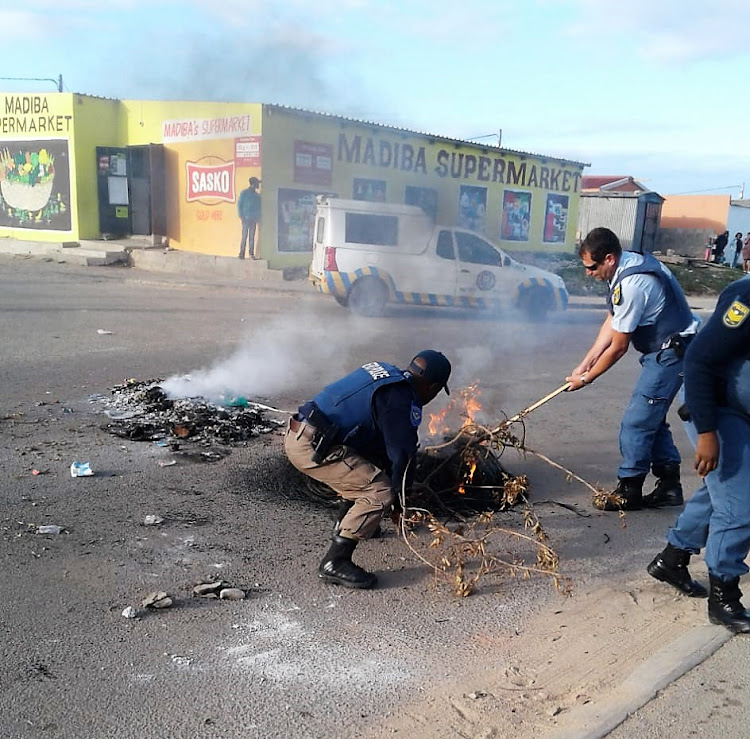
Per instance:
x=647, y=309
x=359, y=436
x=717, y=418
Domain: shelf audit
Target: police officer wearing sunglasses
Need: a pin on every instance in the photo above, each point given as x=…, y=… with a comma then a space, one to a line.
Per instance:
x=647, y=309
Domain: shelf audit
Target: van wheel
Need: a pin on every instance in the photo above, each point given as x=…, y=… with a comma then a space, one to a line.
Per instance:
x=536, y=303
x=368, y=297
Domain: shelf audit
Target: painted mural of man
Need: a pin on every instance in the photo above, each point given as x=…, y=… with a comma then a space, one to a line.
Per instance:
x=248, y=209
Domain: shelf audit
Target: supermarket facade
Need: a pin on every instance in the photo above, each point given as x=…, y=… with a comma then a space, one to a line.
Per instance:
x=76, y=167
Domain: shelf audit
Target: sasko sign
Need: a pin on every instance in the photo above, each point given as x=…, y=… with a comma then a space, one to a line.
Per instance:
x=210, y=182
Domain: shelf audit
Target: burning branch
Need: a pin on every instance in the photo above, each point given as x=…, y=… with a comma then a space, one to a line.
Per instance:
x=465, y=464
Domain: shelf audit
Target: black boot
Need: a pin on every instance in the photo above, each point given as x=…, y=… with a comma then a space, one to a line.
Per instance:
x=670, y=566
x=668, y=490
x=627, y=496
x=337, y=565
x=724, y=606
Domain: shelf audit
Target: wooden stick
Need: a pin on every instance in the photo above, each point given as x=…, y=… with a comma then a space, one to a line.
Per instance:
x=533, y=407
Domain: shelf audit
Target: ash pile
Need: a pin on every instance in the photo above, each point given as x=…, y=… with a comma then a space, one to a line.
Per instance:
x=142, y=411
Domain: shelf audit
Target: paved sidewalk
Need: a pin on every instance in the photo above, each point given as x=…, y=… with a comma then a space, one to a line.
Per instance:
x=171, y=264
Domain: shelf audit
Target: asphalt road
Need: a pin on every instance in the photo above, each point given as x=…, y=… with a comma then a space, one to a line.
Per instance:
x=297, y=658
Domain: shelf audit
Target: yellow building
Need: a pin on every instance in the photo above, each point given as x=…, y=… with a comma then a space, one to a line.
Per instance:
x=79, y=167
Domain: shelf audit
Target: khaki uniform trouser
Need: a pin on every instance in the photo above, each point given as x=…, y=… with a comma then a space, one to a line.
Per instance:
x=351, y=476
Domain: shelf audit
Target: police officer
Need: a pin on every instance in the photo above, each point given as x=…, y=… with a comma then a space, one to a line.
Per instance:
x=717, y=516
x=647, y=309
x=359, y=436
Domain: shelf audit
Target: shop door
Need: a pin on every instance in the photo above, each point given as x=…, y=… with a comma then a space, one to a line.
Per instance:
x=147, y=190
x=131, y=185
x=112, y=188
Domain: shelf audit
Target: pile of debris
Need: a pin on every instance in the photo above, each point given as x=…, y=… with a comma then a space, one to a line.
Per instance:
x=465, y=475
x=141, y=411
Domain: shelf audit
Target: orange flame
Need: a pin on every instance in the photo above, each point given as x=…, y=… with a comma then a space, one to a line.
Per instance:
x=469, y=476
x=437, y=422
x=465, y=402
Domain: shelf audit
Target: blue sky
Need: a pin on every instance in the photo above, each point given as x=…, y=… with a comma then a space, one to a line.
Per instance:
x=656, y=89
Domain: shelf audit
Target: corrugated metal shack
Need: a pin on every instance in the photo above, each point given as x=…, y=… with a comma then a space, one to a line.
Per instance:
x=623, y=205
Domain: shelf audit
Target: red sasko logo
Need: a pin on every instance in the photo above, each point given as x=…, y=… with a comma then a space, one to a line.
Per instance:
x=210, y=182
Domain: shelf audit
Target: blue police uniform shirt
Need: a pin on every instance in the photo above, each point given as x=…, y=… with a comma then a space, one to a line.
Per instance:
x=717, y=362
x=640, y=301
x=641, y=297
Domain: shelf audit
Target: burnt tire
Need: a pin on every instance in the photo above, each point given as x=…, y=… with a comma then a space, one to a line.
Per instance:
x=537, y=303
x=368, y=297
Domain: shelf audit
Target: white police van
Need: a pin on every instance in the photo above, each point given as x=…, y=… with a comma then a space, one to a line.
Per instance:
x=369, y=254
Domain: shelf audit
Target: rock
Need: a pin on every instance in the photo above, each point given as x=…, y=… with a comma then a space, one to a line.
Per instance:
x=130, y=612
x=232, y=594
x=157, y=599
x=209, y=589
x=152, y=520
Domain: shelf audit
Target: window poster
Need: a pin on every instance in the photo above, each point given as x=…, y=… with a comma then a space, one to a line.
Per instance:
x=425, y=197
x=555, y=219
x=514, y=219
x=296, y=219
x=313, y=163
x=372, y=190
x=472, y=206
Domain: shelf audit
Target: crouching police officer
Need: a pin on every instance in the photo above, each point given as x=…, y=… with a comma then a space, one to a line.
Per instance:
x=717, y=516
x=647, y=309
x=358, y=435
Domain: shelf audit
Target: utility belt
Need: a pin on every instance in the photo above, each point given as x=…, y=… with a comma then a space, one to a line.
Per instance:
x=319, y=430
x=678, y=344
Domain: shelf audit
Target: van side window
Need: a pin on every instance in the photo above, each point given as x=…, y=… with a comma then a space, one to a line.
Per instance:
x=477, y=251
x=321, y=229
x=364, y=228
x=445, y=245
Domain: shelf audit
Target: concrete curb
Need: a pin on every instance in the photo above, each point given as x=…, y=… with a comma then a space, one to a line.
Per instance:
x=189, y=263
x=594, y=721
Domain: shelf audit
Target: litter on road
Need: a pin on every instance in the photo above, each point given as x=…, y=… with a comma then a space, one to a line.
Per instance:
x=81, y=469
x=49, y=529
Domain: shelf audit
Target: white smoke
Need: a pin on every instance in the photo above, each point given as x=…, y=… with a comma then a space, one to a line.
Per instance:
x=276, y=359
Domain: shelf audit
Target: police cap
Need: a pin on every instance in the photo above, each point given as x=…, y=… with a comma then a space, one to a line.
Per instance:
x=436, y=368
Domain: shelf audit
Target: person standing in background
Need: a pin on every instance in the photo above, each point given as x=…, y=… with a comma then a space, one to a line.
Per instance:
x=737, y=255
x=248, y=209
x=720, y=243
x=746, y=254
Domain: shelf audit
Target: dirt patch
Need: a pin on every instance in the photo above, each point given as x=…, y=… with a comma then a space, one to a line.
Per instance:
x=561, y=661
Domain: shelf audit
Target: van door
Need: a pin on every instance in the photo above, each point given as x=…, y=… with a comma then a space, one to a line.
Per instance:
x=436, y=270
x=483, y=271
